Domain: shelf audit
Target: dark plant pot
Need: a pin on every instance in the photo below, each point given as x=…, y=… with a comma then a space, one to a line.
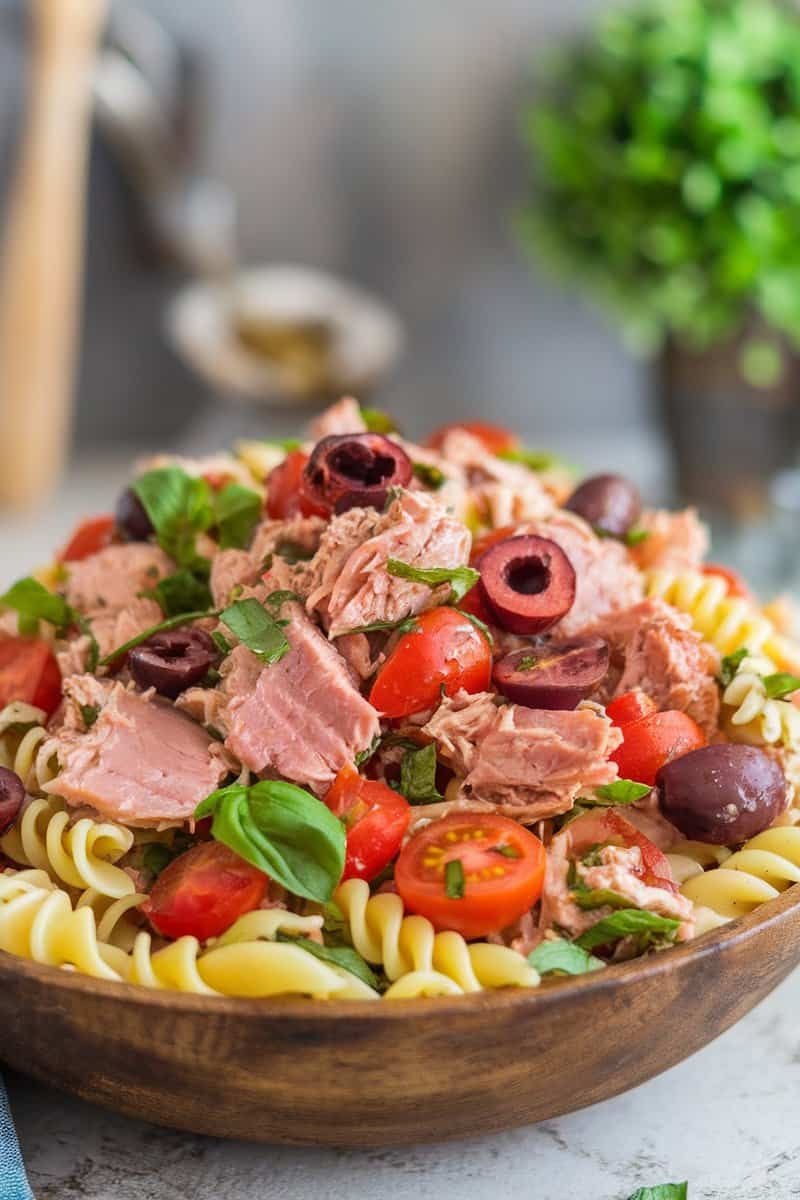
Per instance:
x=728, y=438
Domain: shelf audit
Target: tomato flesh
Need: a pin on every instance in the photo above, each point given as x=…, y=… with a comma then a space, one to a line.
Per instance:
x=654, y=740
x=286, y=492
x=632, y=706
x=202, y=892
x=474, y=603
x=607, y=827
x=495, y=438
x=376, y=818
x=502, y=863
x=29, y=672
x=91, y=536
x=445, y=651
x=736, y=585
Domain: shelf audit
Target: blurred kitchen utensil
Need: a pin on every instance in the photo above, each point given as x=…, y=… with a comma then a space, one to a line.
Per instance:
x=42, y=249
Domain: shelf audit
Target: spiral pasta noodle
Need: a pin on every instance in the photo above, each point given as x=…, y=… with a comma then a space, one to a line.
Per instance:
x=728, y=622
x=111, y=916
x=80, y=855
x=757, y=719
x=765, y=866
x=22, y=738
x=417, y=961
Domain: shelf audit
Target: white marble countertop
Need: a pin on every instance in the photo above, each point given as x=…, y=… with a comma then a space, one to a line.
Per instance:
x=726, y=1120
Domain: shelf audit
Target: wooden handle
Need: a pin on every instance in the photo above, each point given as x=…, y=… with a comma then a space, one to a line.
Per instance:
x=42, y=250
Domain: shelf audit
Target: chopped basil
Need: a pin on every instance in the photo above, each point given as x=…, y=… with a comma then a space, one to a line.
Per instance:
x=181, y=592
x=341, y=956
x=404, y=625
x=282, y=596
x=35, y=603
x=171, y=623
x=90, y=713
x=431, y=476
x=287, y=445
x=282, y=830
x=179, y=507
x=334, y=923
x=418, y=775
x=621, y=791
x=560, y=957
x=507, y=851
x=527, y=662
x=237, y=510
x=454, y=879
x=365, y=755
x=627, y=922
x=461, y=579
x=590, y=898
x=662, y=1191
x=155, y=857
x=257, y=630
x=479, y=624
x=635, y=536
x=779, y=685
x=377, y=421
x=730, y=665
x=292, y=552
x=534, y=460
x=221, y=642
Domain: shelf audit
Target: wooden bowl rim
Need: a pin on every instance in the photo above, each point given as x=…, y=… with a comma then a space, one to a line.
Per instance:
x=766, y=915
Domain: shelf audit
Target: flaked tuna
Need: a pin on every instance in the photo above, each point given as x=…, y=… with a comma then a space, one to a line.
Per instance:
x=342, y=417
x=141, y=762
x=676, y=541
x=500, y=492
x=107, y=588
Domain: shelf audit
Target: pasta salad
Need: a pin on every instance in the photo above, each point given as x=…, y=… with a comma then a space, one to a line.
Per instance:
x=352, y=717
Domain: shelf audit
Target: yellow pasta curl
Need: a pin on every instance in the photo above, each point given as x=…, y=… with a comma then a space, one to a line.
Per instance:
x=750, y=716
x=111, y=916
x=22, y=736
x=765, y=866
x=418, y=961
x=728, y=622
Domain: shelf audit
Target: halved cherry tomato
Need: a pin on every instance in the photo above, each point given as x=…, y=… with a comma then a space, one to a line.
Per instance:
x=202, y=892
x=474, y=603
x=91, y=536
x=445, y=651
x=502, y=867
x=286, y=493
x=495, y=438
x=487, y=540
x=603, y=827
x=652, y=741
x=736, y=585
x=376, y=819
x=632, y=706
x=29, y=672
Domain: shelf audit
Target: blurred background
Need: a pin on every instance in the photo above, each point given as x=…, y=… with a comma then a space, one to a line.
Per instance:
x=576, y=219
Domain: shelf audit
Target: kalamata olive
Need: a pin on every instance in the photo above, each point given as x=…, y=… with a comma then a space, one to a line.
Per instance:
x=173, y=660
x=609, y=503
x=553, y=676
x=722, y=794
x=132, y=520
x=12, y=795
x=528, y=583
x=356, y=469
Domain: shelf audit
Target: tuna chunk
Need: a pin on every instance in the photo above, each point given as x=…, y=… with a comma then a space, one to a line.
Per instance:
x=606, y=580
x=676, y=541
x=502, y=492
x=300, y=718
x=342, y=417
x=107, y=587
x=232, y=569
x=654, y=648
x=349, y=584
x=528, y=763
x=142, y=762
x=299, y=537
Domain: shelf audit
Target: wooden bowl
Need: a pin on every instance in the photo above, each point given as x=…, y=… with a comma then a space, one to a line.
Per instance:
x=361, y=1074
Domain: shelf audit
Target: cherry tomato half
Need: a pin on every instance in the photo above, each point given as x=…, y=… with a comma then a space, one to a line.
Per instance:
x=736, y=585
x=202, y=892
x=495, y=438
x=474, y=603
x=632, y=706
x=376, y=819
x=446, y=650
x=91, y=536
x=29, y=672
x=286, y=492
x=500, y=868
x=653, y=741
x=603, y=827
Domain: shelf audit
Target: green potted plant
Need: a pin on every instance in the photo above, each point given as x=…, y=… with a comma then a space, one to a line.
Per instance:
x=666, y=184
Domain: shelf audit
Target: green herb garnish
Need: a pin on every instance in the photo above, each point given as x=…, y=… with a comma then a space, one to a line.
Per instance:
x=418, y=776
x=237, y=511
x=156, y=856
x=479, y=624
x=431, y=476
x=35, y=603
x=292, y=552
x=181, y=592
x=507, y=851
x=635, y=536
x=90, y=713
x=527, y=662
x=454, y=879
x=627, y=922
x=377, y=421
x=171, y=623
x=365, y=755
x=560, y=957
x=779, y=685
x=221, y=642
x=404, y=625
x=590, y=898
x=730, y=665
x=534, y=460
x=179, y=507
x=621, y=791
x=461, y=579
x=662, y=1191
x=341, y=956
x=257, y=630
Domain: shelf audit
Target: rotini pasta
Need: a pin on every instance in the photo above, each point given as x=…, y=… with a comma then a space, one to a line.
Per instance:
x=756, y=719
x=419, y=962
x=728, y=622
x=111, y=916
x=22, y=736
x=764, y=867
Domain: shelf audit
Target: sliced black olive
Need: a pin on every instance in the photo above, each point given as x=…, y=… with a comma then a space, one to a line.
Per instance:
x=12, y=797
x=553, y=676
x=132, y=519
x=610, y=504
x=528, y=582
x=173, y=660
x=356, y=470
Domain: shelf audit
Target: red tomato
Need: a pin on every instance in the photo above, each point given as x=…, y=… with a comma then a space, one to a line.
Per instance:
x=202, y=892
x=495, y=438
x=29, y=672
x=376, y=818
x=91, y=535
x=487, y=540
x=630, y=707
x=653, y=741
x=502, y=866
x=446, y=650
x=604, y=826
x=474, y=603
x=286, y=494
x=736, y=585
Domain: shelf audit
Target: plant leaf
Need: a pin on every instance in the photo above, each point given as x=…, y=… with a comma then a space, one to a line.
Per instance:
x=257, y=629
x=621, y=791
x=561, y=957
x=431, y=476
x=781, y=684
x=34, y=602
x=730, y=665
x=181, y=592
x=237, y=510
x=179, y=507
x=662, y=1191
x=418, y=776
x=625, y=922
x=461, y=579
x=341, y=956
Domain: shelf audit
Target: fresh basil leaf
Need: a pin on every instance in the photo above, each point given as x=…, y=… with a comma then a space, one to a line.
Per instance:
x=365, y=755
x=534, y=460
x=461, y=579
x=479, y=624
x=454, y=879
x=90, y=713
x=560, y=957
x=34, y=603
x=257, y=630
x=590, y=898
x=730, y=665
x=662, y=1191
x=237, y=510
x=621, y=791
x=431, y=476
x=170, y=623
x=626, y=922
x=341, y=956
x=334, y=923
x=155, y=857
x=284, y=831
x=179, y=507
x=404, y=625
x=779, y=685
x=377, y=421
x=292, y=552
x=221, y=642
x=418, y=776
x=635, y=536
x=181, y=592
